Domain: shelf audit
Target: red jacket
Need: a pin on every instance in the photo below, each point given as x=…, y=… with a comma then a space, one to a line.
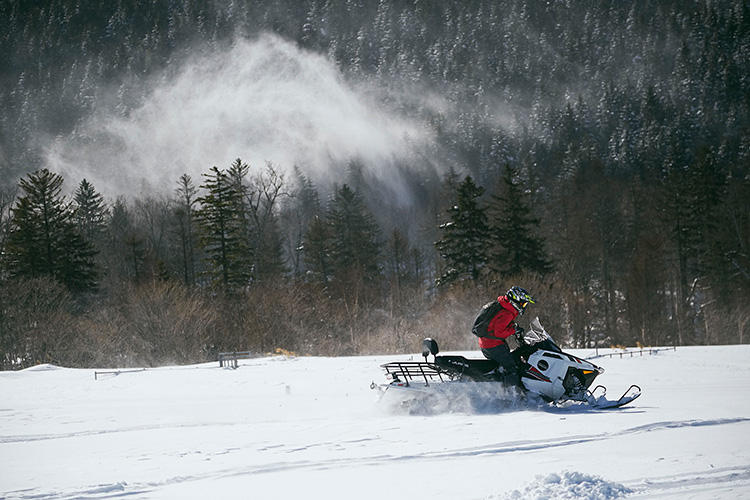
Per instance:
x=501, y=326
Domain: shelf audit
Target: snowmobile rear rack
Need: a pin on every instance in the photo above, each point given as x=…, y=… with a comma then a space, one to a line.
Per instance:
x=406, y=372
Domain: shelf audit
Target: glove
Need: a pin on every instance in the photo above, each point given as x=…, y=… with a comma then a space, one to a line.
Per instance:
x=519, y=334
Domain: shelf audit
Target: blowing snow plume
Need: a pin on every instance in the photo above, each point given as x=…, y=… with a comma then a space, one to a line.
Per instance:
x=261, y=100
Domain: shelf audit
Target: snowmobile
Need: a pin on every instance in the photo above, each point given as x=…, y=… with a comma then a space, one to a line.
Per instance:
x=548, y=372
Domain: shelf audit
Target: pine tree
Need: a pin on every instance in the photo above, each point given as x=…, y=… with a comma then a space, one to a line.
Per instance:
x=355, y=236
x=124, y=251
x=223, y=235
x=297, y=216
x=466, y=236
x=517, y=248
x=44, y=239
x=237, y=176
x=241, y=204
x=399, y=268
x=693, y=196
x=90, y=212
x=403, y=264
x=269, y=252
x=316, y=250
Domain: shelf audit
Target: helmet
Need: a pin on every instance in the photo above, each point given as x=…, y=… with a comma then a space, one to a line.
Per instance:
x=519, y=297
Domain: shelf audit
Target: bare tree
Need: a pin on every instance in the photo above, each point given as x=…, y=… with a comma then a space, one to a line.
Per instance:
x=184, y=212
x=266, y=188
x=153, y=216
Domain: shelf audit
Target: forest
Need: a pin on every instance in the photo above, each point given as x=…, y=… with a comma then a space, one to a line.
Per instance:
x=595, y=153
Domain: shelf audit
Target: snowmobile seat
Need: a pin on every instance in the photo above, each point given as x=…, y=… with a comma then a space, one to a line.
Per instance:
x=476, y=369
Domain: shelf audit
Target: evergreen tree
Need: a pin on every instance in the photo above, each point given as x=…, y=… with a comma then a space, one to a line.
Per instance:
x=403, y=266
x=90, y=212
x=237, y=176
x=693, y=196
x=517, y=248
x=316, y=250
x=297, y=216
x=241, y=205
x=399, y=268
x=466, y=236
x=355, y=236
x=223, y=236
x=269, y=252
x=124, y=251
x=44, y=239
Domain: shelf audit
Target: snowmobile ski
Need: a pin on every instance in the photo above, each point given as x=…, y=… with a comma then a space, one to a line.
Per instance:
x=600, y=402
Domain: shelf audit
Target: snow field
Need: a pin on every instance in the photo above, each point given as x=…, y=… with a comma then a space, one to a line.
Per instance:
x=311, y=428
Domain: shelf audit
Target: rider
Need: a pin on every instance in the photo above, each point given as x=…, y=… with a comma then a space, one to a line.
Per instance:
x=502, y=326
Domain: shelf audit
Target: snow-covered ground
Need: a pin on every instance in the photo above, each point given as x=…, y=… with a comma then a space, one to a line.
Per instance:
x=281, y=427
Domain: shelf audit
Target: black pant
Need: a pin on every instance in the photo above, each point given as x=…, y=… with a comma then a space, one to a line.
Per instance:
x=503, y=356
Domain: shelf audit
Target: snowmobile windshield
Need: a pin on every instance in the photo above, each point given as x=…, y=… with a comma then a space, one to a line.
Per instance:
x=532, y=337
x=536, y=334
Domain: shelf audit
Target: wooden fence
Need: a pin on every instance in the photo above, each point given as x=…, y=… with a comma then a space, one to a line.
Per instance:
x=639, y=352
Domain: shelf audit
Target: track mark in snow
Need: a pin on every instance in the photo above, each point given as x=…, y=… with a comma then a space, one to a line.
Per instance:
x=533, y=445
x=739, y=475
x=329, y=444
x=676, y=424
x=138, y=428
x=114, y=490
x=734, y=477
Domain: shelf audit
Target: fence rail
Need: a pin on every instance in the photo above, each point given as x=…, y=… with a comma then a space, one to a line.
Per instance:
x=115, y=373
x=624, y=354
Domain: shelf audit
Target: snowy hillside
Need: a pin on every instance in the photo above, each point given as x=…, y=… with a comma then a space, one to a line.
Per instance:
x=282, y=427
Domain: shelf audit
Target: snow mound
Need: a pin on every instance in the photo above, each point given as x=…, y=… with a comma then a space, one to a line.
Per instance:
x=570, y=485
x=41, y=368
